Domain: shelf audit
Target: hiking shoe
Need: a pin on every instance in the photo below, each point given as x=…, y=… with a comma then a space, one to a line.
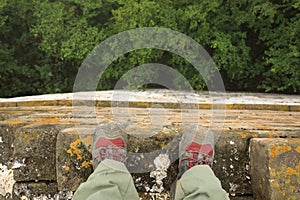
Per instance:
x=109, y=142
x=194, y=151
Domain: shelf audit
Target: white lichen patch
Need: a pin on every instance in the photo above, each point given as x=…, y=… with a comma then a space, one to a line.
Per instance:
x=6, y=180
x=1, y=141
x=17, y=164
x=232, y=188
x=60, y=195
x=157, y=196
x=162, y=163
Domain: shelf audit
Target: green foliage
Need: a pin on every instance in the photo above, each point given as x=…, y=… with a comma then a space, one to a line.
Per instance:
x=255, y=44
x=279, y=32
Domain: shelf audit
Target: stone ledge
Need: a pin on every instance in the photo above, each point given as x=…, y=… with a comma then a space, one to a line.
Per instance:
x=275, y=168
x=142, y=99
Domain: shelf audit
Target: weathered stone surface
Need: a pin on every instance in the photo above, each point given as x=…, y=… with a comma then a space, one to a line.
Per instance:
x=142, y=98
x=73, y=157
x=275, y=168
x=145, y=151
x=39, y=190
x=231, y=162
x=6, y=140
x=6, y=181
x=30, y=190
x=34, y=153
x=7, y=135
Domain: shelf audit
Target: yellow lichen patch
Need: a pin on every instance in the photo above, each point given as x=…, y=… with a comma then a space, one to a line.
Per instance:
x=74, y=149
x=65, y=102
x=272, y=172
x=71, y=122
x=141, y=104
x=49, y=121
x=292, y=187
x=205, y=106
x=37, y=103
x=271, y=135
x=276, y=150
x=295, y=108
x=86, y=164
x=243, y=135
x=298, y=166
x=15, y=121
x=28, y=136
x=265, y=128
x=29, y=126
x=298, y=149
x=67, y=168
x=292, y=171
x=255, y=135
x=8, y=104
x=260, y=185
x=71, y=131
x=287, y=178
x=275, y=184
x=268, y=140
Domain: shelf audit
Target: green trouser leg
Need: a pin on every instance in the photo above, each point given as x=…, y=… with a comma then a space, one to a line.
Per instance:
x=199, y=183
x=110, y=181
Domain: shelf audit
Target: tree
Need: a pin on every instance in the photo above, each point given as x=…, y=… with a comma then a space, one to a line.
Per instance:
x=255, y=44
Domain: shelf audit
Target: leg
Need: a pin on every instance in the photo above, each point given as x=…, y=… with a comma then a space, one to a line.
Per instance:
x=199, y=183
x=110, y=180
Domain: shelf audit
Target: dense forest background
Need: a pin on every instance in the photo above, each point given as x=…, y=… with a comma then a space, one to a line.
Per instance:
x=254, y=43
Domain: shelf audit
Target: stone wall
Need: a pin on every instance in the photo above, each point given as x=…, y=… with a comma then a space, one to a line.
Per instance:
x=45, y=144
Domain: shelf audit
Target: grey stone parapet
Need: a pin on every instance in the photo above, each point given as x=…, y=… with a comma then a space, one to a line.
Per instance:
x=167, y=98
x=45, y=148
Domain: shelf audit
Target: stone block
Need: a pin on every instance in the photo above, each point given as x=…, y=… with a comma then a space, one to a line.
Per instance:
x=231, y=164
x=73, y=157
x=6, y=140
x=34, y=153
x=39, y=190
x=275, y=168
x=7, y=135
